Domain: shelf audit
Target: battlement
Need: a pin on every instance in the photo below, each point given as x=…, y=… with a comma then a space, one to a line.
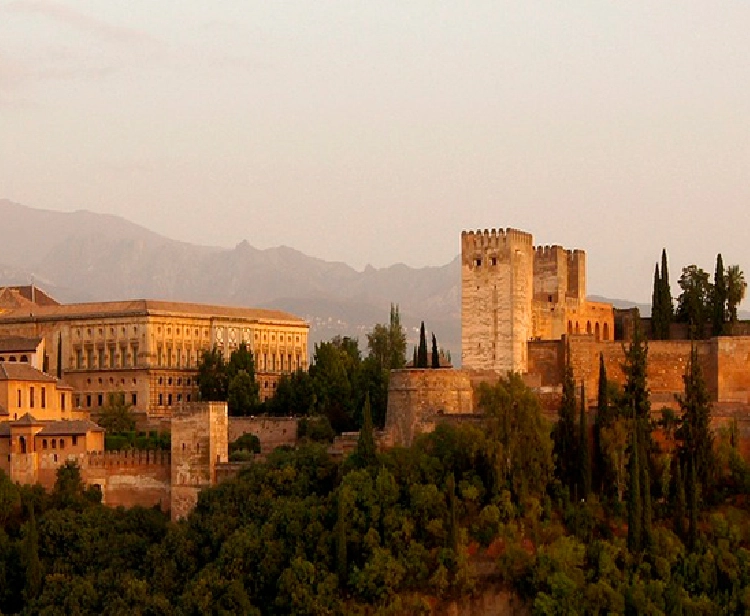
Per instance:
x=494, y=238
x=131, y=457
x=549, y=254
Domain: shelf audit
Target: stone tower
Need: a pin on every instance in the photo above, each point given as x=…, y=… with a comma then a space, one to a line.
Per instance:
x=497, y=288
x=199, y=444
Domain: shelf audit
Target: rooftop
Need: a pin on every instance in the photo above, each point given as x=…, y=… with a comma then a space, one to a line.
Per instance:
x=19, y=344
x=19, y=371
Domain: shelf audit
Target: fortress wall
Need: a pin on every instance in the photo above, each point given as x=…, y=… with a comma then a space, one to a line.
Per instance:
x=576, y=275
x=414, y=395
x=733, y=368
x=547, y=361
x=550, y=274
x=130, y=478
x=273, y=432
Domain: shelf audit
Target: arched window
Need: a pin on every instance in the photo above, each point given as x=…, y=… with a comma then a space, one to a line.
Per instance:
x=606, y=331
x=578, y=328
x=588, y=327
x=570, y=327
x=596, y=331
x=22, y=443
x=44, y=443
x=24, y=358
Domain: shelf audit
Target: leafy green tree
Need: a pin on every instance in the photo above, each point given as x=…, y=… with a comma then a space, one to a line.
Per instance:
x=522, y=458
x=452, y=525
x=240, y=359
x=34, y=575
x=635, y=394
x=564, y=434
x=656, y=309
x=387, y=343
x=294, y=396
x=10, y=498
x=435, y=362
x=213, y=384
x=614, y=445
x=661, y=306
x=679, y=504
x=248, y=442
x=333, y=389
x=719, y=299
x=583, y=449
x=736, y=288
x=694, y=301
x=243, y=394
x=117, y=415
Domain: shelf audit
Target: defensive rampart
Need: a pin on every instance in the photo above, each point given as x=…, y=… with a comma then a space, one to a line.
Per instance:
x=272, y=432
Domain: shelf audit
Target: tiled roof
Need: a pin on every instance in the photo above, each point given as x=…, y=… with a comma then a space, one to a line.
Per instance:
x=27, y=419
x=19, y=371
x=19, y=344
x=145, y=307
x=69, y=426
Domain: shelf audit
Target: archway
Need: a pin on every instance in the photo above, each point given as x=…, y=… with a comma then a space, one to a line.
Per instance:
x=596, y=331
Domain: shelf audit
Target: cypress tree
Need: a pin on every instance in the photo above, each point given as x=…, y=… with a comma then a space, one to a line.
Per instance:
x=656, y=307
x=565, y=436
x=422, y=352
x=342, y=565
x=645, y=491
x=719, y=299
x=435, y=355
x=415, y=359
x=602, y=420
x=635, y=513
x=679, y=503
x=33, y=586
x=366, y=451
x=453, y=539
x=59, y=355
x=583, y=448
x=665, y=299
x=692, y=505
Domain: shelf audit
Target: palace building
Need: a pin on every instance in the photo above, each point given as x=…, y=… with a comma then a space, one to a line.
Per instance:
x=147, y=350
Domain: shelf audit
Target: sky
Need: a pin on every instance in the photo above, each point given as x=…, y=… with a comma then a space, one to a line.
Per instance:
x=375, y=132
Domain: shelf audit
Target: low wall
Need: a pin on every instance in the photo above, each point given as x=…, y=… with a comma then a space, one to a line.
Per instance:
x=272, y=432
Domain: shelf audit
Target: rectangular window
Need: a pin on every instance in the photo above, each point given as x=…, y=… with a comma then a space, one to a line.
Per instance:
x=62, y=402
x=169, y=399
x=99, y=399
x=88, y=400
x=133, y=399
x=44, y=397
x=102, y=363
x=77, y=401
x=135, y=354
x=161, y=399
x=169, y=356
x=75, y=441
x=124, y=356
x=159, y=357
x=90, y=359
x=19, y=399
x=31, y=397
x=79, y=359
x=112, y=356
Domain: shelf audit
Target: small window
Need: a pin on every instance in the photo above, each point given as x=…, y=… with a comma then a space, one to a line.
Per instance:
x=179, y=397
x=62, y=443
x=75, y=441
x=54, y=443
x=19, y=398
x=54, y=457
x=88, y=400
x=99, y=399
x=62, y=402
x=478, y=262
x=44, y=397
x=44, y=443
x=134, y=399
x=169, y=400
x=188, y=397
x=493, y=261
x=161, y=399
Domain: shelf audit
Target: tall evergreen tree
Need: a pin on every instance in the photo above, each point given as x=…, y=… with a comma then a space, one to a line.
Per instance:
x=564, y=435
x=692, y=490
x=422, y=352
x=736, y=288
x=719, y=299
x=342, y=565
x=435, y=360
x=636, y=395
x=583, y=449
x=679, y=500
x=366, y=450
x=656, y=307
x=646, y=535
x=415, y=359
x=452, y=526
x=396, y=339
x=635, y=512
x=59, y=356
x=603, y=420
x=34, y=577
x=695, y=429
x=666, y=309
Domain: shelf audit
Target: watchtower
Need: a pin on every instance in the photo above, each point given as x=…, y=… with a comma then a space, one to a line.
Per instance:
x=497, y=288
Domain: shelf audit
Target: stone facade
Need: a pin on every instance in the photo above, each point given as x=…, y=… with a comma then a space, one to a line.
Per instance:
x=149, y=350
x=272, y=432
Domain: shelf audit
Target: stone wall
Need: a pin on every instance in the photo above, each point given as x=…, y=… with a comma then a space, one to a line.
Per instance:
x=272, y=432
x=130, y=478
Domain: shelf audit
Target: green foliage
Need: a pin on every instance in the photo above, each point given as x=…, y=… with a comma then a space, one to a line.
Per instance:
x=243, y=394
x=422, y=350
x=117, y=415
x=435, y=357
x=141, y=441
x=387, y=343
x=736, y=288
x=247, y=443
x=315, y=429
x=662, y=311
x=212, y=379
x=294, y=396
x=719, y=299
x=694, y=302
x=583, y=450
x=366, y=452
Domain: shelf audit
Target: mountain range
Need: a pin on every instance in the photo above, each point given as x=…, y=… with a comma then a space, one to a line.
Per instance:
x=84, y=256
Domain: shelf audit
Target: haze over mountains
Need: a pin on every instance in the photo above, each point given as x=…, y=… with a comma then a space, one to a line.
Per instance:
x=84, y=256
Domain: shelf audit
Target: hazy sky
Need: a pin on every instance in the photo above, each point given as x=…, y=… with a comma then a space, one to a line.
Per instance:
x=374, y=132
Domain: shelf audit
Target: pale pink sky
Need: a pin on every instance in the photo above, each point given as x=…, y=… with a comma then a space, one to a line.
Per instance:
x=374, y=132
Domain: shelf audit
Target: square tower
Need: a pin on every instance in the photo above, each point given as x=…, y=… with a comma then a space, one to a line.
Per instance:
x=497, y=288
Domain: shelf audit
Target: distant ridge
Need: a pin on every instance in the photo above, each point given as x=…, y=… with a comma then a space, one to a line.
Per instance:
x=82, y=256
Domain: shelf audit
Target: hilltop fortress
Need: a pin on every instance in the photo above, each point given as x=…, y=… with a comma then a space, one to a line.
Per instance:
x=520, y=306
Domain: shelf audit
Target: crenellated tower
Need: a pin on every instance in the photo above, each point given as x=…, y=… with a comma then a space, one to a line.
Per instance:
x=497, y=288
